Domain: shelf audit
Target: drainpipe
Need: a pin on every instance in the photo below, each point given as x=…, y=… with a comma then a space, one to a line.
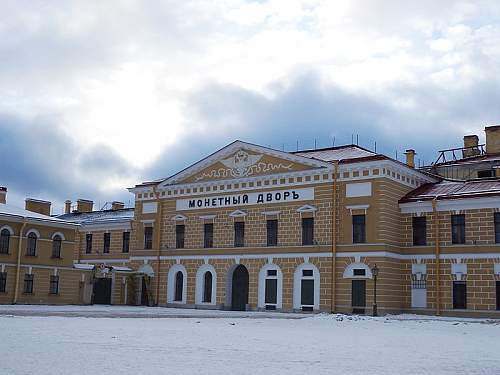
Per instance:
x=18, y=266
x=157, y=243
x=334, y=235
x=437, y=254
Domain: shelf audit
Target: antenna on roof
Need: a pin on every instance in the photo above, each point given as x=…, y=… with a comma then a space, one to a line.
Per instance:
x=297, y=145
x=315, y=143
x=333, y=142
x=396, y=154
x=375, y=146
x=357, y=139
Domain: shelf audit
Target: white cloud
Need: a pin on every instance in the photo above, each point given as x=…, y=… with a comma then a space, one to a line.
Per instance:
x=121, y=73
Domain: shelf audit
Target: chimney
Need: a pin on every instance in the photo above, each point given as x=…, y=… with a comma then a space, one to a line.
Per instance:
x=67, y=207
x=410, y=158
x=115, y=205
x=39, y=206
x=3, y=194
x=492, y=139
x=84, y=205
x=471, y=148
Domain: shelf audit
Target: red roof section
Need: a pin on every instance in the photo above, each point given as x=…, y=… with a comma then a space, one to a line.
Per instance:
x=454, y=189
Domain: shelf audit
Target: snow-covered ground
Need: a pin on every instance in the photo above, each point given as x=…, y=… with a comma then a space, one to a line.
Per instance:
x=322, y=344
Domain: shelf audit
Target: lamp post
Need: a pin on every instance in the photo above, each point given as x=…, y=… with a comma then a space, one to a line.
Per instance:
x=375, y=274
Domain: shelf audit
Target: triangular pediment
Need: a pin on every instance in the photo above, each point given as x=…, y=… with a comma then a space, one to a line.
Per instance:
x=242, y=160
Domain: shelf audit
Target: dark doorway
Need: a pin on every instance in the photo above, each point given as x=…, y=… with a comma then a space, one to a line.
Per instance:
x=358, y=297
x=498, y=295
x=102, y=291
x=145, y=291
x=239, y=291
x=459, y=295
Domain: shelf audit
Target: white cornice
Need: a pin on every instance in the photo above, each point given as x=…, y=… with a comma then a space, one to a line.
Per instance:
x=450, y=205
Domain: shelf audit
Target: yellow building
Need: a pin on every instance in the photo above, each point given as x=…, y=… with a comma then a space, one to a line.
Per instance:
x=340, y=229
x=36, y=256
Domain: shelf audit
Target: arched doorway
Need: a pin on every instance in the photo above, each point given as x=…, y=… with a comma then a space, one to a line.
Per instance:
x=239, y=290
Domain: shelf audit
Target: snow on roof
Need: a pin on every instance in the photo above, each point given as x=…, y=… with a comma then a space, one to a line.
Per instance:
x=99, y=217
x=454, y=189
x=9, y=210
x=336, y=153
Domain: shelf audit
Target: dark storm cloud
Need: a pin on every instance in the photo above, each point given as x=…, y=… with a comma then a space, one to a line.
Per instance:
x=38, y=160
x=308, y=110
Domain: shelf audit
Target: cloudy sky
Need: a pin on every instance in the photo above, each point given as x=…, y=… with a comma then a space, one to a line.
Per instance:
x=96, y=96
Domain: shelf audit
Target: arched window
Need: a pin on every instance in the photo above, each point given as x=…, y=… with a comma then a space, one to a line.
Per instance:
x=179, y=286
x=207, y=287
x=270, y=287
x=306, y=287
x=56, y=246
x=4, y=241
x=31, y=244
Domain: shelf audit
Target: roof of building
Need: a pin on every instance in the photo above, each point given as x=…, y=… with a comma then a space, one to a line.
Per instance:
x=447, y=189
x=336, y=153
x=99, y=217
x=7, y=210
x=485, y=158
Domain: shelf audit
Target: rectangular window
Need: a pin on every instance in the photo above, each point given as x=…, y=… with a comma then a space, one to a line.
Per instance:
x=239, y=234
x=208, y=235
x=272, y=273
x=180, y=230
x=497, y=227
x=307, y=292
x=88, y=243
x=3, y=282
x=272, y=232
x=359, y=272
x=54, y=284
x=419, y=231
x=28, y=283
x=457, y=229
x=358, y=228
x=459, y=295
x=271, y=291
x=307, y=231
x=148, y=238
x=126, y=242
x=107, y=242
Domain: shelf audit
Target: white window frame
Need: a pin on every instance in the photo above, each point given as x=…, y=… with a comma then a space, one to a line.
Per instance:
x=297, y=285
x=200, y=284
x=262, y=286
x=171, y=284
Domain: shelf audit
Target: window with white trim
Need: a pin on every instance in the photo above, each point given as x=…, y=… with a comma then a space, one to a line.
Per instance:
x=4, y=241
x=28, y=283
x=56, y=246
x=31, y=244
x=271, y=289
x=54, y=284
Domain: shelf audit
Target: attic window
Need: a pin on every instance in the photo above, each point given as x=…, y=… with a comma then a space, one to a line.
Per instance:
x=486, y=173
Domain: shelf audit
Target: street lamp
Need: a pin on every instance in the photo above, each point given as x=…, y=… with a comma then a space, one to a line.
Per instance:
x=375, y=274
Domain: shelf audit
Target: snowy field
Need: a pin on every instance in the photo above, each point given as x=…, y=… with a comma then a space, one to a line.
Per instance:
x=322, y=344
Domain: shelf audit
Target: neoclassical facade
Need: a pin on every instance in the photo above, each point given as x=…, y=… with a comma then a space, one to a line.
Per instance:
x=253, y=228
